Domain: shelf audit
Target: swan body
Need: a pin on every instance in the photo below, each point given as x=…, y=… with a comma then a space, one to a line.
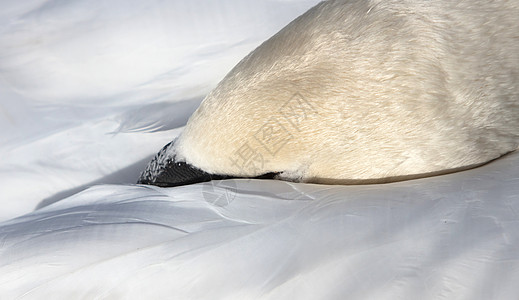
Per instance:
x=358, y=92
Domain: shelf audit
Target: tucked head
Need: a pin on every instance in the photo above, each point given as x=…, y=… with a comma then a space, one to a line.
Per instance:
x=358, y=92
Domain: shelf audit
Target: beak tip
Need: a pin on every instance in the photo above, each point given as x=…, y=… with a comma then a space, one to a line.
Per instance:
x=165, y=171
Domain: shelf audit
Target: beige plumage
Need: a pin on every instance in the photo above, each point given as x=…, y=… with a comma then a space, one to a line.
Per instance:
x=366, y=91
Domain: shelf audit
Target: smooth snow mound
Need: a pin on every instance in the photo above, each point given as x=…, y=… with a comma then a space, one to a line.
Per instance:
x=91, y=90
x=448, y=237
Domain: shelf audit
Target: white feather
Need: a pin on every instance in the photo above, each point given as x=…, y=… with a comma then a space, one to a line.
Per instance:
x=367, y=91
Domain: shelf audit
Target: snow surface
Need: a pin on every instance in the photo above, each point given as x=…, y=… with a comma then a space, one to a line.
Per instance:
x=90, y=91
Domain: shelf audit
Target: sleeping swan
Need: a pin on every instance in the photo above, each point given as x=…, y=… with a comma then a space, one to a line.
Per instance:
x=360, y=91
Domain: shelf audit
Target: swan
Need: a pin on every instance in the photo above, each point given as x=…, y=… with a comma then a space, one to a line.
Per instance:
x=357, y=91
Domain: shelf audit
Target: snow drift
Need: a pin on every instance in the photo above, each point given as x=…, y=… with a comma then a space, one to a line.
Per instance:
x=90, y=91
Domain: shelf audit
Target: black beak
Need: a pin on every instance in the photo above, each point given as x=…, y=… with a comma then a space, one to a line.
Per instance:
x=164, y=171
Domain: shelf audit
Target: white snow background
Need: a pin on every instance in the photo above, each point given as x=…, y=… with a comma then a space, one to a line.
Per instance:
x=91, y=90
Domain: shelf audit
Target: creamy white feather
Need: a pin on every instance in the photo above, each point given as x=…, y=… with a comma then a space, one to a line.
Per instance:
x=367, y=91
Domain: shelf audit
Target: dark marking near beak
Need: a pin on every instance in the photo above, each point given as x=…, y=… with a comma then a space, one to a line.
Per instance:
x=165, y=171
x=179, y=173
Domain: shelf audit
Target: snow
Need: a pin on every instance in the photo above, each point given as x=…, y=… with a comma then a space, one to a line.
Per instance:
x=89, y=92
x=91, y=89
